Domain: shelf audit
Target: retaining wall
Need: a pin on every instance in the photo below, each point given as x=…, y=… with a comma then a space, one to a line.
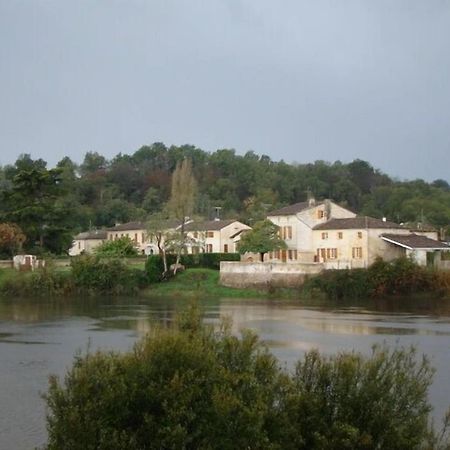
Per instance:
x=263, y=274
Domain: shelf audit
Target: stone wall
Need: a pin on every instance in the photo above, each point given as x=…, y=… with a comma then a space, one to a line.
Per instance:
x=261, y=275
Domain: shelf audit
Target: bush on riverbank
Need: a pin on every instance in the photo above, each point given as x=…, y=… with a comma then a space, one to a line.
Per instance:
x=43, y=282
x=195, y=388
x=400, y=277
x=87, y=274
x=101, y=275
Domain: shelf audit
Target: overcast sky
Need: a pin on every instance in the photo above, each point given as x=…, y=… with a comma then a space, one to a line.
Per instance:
x=296, y=80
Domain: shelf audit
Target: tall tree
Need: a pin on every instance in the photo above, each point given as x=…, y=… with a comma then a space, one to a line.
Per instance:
x=182, y=199
x=11, y=238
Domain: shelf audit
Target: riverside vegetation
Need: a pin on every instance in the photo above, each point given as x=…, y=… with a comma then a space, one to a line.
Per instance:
x=195, y=387
x=97, y=274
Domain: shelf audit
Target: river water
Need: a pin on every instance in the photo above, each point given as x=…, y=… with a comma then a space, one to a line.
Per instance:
x=39, y=338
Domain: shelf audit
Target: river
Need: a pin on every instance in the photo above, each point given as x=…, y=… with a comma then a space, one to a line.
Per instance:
x=39, y=338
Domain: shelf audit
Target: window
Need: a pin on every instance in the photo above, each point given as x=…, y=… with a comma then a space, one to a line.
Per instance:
x=290, y=254
x=143, y=237
x=79, y=245
x=209, y=248
x=324, y=235
x=359, y=234
x=135, y=237
x=326, y=253
x=320, y=214
x=340, y=235
x=286, y=232
x=357, y=252
x=225, y=248
x=210, y=234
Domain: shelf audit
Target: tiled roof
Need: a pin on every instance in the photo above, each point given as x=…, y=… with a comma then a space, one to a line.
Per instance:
x=209, y=225
x=415, y=241
x=97, y=234
x=128, y=226
x=291, y=209
x=356, y=223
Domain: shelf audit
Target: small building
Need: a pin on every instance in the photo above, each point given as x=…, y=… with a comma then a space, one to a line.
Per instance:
x=214, y=236
x=136, y=231
x=87, y=241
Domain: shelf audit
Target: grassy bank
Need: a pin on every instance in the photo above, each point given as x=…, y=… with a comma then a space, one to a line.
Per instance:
x=199, y=283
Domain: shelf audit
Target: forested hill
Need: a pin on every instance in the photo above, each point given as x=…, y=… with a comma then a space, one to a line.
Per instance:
x=99, y=192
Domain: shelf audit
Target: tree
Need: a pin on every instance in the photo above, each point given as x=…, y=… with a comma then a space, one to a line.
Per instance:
x=182, y=200
x=117, y=249
x=33, y=202
x=158, y=230
x=11, y=238
x=261, y=239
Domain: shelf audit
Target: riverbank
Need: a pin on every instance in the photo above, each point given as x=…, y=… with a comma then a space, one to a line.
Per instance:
x=199, y=283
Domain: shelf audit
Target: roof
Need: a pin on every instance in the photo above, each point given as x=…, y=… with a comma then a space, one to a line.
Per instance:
x=356, y=223
x=128, y=226
x=209, y=225
x=415, y=241
x=291, y=209
x=96, y=234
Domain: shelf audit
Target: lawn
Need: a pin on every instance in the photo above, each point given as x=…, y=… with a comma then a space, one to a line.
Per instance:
x=199, y=283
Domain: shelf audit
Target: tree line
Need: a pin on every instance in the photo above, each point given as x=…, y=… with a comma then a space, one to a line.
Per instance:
x=50, y=205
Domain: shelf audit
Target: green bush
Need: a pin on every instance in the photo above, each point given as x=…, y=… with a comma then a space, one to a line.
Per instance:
x=395, y=278
x=100, y=275
x=118, y=248
x=154, y=267
x=208, y=260
x=42, y=282
x=190, y=387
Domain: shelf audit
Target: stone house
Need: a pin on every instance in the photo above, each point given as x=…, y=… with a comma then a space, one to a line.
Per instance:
x=87, y=241
x=297, y=224
x=214, y=236
x=136, y=231
x=334, y=236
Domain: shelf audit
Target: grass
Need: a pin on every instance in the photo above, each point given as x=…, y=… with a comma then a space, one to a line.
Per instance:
x=199, y=283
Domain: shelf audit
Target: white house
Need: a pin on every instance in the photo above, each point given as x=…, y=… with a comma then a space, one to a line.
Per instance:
x=297, y=223
x=215, y=236
x=327, y=233
x=87, y=241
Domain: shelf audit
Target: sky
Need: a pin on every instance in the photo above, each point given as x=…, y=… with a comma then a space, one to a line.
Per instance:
x=296, y=80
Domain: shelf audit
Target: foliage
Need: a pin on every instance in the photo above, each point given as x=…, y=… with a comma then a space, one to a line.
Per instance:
x=195, y=388
x=51, y=205
x=395, y=278
x=261, y=239
x=47, y=282
x=155, y=267
x=208, y=260
x=101, y=275
x=11, y=238
x=118, y=248
x=181, y=203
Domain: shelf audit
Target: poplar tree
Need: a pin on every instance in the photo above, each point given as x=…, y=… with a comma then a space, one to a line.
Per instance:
x=182, y=201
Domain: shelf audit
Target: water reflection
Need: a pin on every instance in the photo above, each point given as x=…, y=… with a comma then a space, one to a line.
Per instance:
x=40, y=337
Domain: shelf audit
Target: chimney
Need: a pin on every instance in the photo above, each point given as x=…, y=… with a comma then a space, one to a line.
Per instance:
x=311, y=200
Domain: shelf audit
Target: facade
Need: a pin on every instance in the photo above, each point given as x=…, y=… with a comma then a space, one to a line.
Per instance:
x=214, y=236
x=297, y=224
x=136, y=231
x=335, y=237
x=86, y=242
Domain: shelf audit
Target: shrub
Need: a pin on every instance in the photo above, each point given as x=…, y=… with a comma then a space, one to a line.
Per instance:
x=208, y=260
x=192, y=388
x=42, y=282
x=94, y=274
x=398, y=277
x=154, y=267
x=119, y=248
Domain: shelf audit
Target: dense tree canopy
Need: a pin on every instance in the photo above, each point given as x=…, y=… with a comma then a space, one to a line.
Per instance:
x=46, y=203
